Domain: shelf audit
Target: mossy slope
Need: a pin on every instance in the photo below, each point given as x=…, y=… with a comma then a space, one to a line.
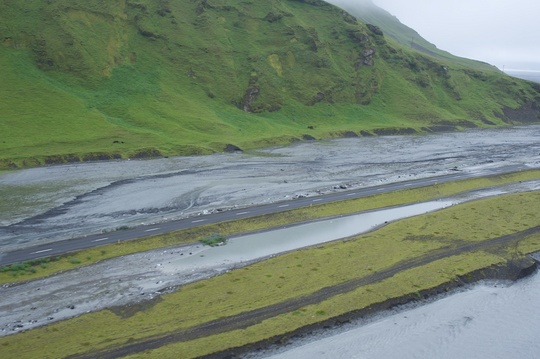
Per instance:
x=87, y=80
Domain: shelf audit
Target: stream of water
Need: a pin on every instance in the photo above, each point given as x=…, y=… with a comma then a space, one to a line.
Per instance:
x=259, y=245
x=489, y=320
x=48, y=204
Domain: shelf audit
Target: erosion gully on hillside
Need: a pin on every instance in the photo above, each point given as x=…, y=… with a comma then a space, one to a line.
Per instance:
x=59, y=202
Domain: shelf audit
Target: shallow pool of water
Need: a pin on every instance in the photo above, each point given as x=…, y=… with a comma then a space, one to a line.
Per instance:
x=259, y=245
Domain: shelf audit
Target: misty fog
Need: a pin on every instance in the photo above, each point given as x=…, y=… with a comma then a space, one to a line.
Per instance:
x=499, y=32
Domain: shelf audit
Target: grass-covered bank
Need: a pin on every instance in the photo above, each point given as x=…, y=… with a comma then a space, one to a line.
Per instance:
x=405, y=257
x=41, y=268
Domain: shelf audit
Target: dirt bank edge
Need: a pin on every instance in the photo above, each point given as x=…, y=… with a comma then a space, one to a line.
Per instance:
x=512, y=270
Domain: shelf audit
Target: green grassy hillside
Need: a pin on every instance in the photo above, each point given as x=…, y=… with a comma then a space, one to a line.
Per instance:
x=96, y=79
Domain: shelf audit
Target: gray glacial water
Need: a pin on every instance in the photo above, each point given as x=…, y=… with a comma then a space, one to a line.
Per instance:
x=259, y=245
x=490, y=320
x=59, y=202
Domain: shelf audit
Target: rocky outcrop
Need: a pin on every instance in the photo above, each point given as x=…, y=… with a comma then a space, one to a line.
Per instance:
x=375, y=29
x=394, y=131
x=313, y=2
x=318, y=98
x=367, y=56
x=252, y=92
x=349, y=134
x=528, y=113
x=201, y=7
x=232, y=148
x=358, y=36
x=272, y=17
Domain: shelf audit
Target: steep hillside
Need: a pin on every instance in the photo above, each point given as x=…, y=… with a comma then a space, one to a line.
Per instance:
x=368, y=12
x=96, y=79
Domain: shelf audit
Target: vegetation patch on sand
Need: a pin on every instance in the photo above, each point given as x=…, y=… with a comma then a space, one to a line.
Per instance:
x=410, y=255
x=214, y=240
x=227, y=229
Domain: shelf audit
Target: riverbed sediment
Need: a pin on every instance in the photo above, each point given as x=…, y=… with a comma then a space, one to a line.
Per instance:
x=54, y=203
x=115, y=284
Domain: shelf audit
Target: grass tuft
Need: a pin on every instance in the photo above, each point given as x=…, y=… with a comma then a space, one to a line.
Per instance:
x=214, y=240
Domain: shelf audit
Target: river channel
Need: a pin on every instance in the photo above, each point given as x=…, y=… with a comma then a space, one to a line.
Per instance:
x=53, y=203
x=489, y=320
x=60, y=202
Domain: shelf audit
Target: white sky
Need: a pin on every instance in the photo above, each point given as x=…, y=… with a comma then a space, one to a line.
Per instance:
x=500, y=32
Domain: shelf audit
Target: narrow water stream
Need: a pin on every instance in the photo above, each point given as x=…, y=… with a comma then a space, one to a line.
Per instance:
x=259, y=245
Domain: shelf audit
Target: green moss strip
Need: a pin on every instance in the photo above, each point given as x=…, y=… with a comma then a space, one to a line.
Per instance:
x=302, y=273
x=227, y=229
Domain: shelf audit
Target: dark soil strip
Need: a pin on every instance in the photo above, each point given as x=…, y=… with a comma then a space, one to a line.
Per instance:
x=250, y=318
